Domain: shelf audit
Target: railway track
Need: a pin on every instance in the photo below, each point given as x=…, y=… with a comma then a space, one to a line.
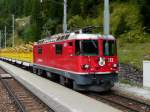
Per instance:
x=17, y=98
x=5, y=102
x=121, y=102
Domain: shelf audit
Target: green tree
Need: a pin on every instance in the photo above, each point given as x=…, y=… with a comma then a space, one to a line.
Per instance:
x=27, y=7
x=145, y=11
x=36, y=19
x=75, y=8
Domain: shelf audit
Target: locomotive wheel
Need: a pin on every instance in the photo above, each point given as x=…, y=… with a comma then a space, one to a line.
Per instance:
x=62, y=80
x=70, y=83
x=52, y=76
x=66, y=82
x=30, y=68
x=49, y=75
x=39, y=72
x=34, y=70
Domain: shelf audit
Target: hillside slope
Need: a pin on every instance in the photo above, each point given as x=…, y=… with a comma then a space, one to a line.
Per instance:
x=129, y=22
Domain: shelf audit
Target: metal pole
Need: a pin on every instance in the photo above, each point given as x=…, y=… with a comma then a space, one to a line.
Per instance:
x=106, y=18
x=13, y=30
x=65, y=17
x=0, y=39
x=5, y=35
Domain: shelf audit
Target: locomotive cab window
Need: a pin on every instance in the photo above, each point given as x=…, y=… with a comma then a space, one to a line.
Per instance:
x=87, y=47
x=109, y=48
x=58, y=49
x=77, y=47
x=70, y=44
x=39, y=50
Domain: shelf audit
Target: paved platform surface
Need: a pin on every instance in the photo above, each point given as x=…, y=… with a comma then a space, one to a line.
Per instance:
x=141, y=94
x=57, y=97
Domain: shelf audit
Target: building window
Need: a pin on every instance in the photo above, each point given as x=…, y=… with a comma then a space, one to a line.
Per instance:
x=59, y=48
x=39, y=50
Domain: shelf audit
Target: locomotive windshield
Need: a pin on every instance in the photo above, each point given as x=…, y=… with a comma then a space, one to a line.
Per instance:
x=87, y=47
x=109, y=48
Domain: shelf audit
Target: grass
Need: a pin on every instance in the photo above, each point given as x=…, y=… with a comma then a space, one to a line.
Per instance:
x=133, y=53
x=125, y=81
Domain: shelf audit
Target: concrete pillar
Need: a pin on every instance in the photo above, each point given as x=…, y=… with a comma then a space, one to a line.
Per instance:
x=146, y=74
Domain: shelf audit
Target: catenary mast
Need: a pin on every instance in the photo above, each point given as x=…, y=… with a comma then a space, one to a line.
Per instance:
x=106, y=18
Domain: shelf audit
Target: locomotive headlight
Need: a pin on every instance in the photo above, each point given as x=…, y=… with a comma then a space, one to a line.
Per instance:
x=101, y=61
x=86, y=66
x=115, y=65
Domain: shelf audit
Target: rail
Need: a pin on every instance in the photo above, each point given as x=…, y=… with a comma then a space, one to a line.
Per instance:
x=14, y=98
x=122, y=102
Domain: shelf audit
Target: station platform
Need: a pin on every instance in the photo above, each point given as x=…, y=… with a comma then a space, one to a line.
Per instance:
x=57, y=97
x=141, y=94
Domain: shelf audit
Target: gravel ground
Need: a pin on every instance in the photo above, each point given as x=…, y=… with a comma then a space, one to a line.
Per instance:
x=6, y=104
x=130, y=75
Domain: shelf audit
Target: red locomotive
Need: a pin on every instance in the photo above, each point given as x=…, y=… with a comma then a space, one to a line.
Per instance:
x=85, y=61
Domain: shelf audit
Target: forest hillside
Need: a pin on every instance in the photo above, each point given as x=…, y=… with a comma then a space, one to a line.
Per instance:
x=130, y=22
